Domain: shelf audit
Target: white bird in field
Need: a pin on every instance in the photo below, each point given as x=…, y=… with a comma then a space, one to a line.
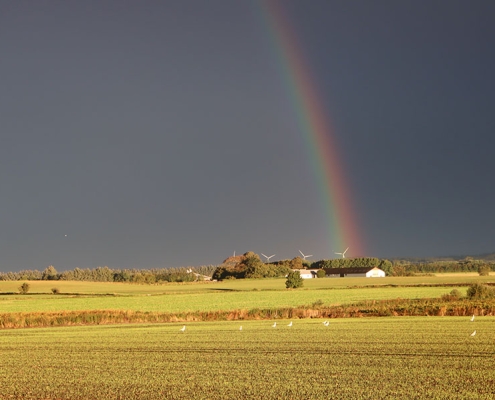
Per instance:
x=274, y=325
x=290, y=324
x=183, y=329
x=472, y=318
x=326, y=323
x=474, y=333
x=240, y=328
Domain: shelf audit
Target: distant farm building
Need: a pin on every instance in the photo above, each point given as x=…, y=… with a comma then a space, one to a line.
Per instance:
x=200, y=277
x=307, y=273
x=368, y=272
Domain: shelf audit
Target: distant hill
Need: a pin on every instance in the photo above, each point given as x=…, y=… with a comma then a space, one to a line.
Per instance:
x=480, y=257
x=487, y=257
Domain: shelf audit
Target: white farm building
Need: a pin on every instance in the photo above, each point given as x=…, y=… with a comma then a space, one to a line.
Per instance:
x=307, y=273
x=368, y=272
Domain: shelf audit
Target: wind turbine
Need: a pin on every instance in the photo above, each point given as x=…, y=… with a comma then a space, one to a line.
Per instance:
x=304, y=257
x=268, y=258
x=343, y=254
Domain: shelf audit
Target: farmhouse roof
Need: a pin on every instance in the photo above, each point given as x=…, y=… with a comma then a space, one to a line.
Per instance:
x=351, y=270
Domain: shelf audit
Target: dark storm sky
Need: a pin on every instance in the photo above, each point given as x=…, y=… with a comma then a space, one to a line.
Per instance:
x=160, y=133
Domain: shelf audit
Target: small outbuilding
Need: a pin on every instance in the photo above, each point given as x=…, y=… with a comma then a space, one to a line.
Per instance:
x=368, y=272
x=307, y=273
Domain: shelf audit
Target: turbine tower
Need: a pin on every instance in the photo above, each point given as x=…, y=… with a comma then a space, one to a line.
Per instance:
x=304, y=257
x=343, y=254
x=268, y=258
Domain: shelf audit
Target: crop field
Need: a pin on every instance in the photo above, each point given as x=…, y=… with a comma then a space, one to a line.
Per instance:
x=38, y=287
x=227, y=295
x=211, y=301
x=371, y=358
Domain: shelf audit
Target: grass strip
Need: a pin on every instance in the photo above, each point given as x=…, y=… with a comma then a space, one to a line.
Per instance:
x=396, y=307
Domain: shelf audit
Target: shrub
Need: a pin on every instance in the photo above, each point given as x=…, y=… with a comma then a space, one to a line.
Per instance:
x=484, y=270
x=318, y=303
x=55, y=290
x=24, y=288
x=454, y=295
x=480, y=292
x=294, y=280
x=320, y=273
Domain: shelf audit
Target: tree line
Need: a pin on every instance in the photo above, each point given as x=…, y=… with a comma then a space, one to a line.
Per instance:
x=106, y=274
x=248, y=265
x=406, y=268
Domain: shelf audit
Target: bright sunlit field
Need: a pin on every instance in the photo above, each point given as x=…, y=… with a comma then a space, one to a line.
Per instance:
x=371, y=358
x=212, y=301
x=238, y=285
x=246, y=294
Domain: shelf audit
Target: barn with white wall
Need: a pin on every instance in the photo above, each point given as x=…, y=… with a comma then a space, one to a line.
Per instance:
x=307, y=273
x=356, y=272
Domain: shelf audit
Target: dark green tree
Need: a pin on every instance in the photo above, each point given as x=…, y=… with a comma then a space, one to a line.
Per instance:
x=254, y=267
x=386, y=266
x=122, y=276
x=220, y=273
x=294, y=280
x=297, y=263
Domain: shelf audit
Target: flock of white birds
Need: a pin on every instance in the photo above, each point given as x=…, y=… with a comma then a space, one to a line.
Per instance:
x=326, y=323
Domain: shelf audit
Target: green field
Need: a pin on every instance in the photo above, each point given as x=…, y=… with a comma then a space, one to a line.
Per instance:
x=227, y=295
x=210, y=301
x=238, y=285
x=372, y=358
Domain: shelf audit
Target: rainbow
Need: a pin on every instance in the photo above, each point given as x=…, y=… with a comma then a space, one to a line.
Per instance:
x=316, y=129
